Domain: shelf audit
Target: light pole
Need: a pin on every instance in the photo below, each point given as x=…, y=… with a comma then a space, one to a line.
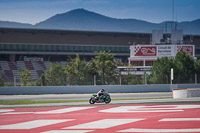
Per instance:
x=172, y=75
x=94, y=80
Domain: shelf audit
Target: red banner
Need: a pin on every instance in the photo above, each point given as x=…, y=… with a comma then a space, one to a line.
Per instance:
x=187, y=49
x=145, y=51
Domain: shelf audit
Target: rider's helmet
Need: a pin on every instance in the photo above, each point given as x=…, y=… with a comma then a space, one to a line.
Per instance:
x=102, y=90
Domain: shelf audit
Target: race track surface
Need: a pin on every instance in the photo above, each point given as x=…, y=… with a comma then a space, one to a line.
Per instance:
x=85, y=96
x=119, y=118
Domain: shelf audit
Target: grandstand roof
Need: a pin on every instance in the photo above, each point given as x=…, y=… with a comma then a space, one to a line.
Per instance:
x=51, y=36
x=18, y=40
x=46, y=36
x=34, y=30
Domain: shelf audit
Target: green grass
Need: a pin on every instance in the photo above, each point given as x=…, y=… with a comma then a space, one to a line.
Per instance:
x=142, y=98
x=22, y=102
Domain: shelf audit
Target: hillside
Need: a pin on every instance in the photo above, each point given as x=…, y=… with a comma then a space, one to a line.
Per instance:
x=81, y=19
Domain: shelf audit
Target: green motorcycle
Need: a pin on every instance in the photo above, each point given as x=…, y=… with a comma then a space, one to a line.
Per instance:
x=103, y=98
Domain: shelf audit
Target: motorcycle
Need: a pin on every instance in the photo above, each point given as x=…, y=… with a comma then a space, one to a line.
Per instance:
x=103, y=98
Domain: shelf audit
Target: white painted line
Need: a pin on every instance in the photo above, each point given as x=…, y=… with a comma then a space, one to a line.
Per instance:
x=16, y=113
x=132, y=130
x=105, y=123
x=178, y=106
x=3, y=105
x=156, y=111
x=57, y=111
x=6, y=110
x=33, y=124
x=139, y=109
x=69, y=131
x=180, y=119
x=155, y=108
x=65, y=110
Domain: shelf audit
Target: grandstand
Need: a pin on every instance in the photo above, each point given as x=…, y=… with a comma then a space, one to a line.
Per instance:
x=35, y=49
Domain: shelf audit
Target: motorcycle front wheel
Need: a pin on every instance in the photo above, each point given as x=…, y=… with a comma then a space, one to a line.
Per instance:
x=107, y=100
x=91, y=101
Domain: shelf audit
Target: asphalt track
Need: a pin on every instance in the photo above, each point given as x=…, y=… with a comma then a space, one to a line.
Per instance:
x=164, y=97
x=85, y=96
x=166, y=115
x=119, y=118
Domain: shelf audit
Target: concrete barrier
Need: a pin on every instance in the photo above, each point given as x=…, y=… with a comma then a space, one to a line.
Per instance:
x=92, y=89
x=82, y=89
x=185, y=93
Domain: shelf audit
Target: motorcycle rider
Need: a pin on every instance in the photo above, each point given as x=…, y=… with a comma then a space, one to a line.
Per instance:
x=100, y=93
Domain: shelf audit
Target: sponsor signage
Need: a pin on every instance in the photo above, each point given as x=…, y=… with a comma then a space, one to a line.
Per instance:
x=158, y=51
x=135, y=69
x=187, y=49
x=165, y=50
x=145, y=51
x=33, y=58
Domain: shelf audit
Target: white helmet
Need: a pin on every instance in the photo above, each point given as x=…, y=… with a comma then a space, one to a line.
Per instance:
x=102, y=90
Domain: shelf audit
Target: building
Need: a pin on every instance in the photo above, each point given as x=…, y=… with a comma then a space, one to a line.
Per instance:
x=35, y=49
x=143, y=56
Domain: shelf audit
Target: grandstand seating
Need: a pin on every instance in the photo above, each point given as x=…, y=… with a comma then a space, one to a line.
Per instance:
x=4, y=65
x=40, y=72
x=47, y=64
x=16, y=74
x=12, y=66
x=21, y=66
x=34, y=74
x=38, y=66
x=29, y=65
x=63, y=63
x=9, y=74
x=42, y=65
x=10, y=70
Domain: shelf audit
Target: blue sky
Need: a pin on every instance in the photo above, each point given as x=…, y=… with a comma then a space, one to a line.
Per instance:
x=34, y=11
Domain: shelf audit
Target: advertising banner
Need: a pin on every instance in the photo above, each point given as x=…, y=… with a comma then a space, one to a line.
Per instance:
x=145, y=51
x=165, y=50
x=157, y=51
x=187, y=49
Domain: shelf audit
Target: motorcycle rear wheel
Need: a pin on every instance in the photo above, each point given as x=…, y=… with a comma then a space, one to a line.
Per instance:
x=91, y=101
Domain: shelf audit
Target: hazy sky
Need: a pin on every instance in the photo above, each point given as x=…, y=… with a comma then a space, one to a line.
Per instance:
x=34, y=11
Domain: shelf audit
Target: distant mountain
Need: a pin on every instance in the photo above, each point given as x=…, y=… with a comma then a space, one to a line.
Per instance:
x=15, y=24
x=81, y=19
x=190, y=27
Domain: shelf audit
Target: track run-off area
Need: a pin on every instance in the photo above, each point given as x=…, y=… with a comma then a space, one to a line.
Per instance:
x=119, y=118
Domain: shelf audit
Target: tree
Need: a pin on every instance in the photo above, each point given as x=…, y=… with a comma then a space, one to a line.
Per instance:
x=130, y=78
x=161, y=70
x=197, y=69
x=26, y=77
x=183, y=65
x=55, y=76
x=134, y=80
x=184, y=68
x=1, y=80
x=41, y=81
x=77, y=71
x=197, y=66
x=105, y=66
